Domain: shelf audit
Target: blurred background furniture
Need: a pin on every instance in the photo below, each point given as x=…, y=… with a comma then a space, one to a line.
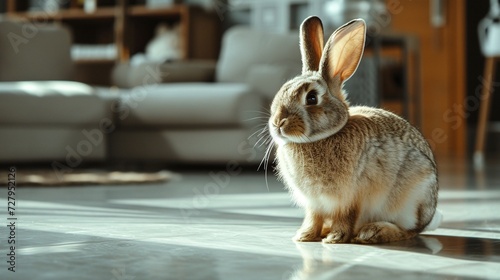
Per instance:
x=43, y=114
x=152, y=117
x=125, y=26
x=210, y=120
x=489, y=40
x=486, y=94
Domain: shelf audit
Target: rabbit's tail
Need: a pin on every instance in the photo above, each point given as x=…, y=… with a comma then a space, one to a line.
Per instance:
x=435, y=222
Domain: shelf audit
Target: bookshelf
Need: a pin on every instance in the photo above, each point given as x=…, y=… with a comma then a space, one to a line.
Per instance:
x=128, y=24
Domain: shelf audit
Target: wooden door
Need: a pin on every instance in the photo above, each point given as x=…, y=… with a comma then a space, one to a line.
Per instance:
x=442, y=53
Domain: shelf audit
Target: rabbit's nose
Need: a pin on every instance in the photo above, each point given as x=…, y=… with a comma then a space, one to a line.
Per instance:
x=281, y=126
x=282, y=123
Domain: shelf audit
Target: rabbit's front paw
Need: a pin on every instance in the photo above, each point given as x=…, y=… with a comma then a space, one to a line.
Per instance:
x=337, y=236
x=306, y=236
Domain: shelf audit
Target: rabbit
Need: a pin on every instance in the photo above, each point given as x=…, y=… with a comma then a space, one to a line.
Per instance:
x=362, y=174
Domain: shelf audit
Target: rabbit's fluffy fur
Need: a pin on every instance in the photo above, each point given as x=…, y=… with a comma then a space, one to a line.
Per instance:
x=362, y=174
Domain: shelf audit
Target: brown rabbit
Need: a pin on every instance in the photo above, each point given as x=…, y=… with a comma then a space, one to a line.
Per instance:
x=362, y=174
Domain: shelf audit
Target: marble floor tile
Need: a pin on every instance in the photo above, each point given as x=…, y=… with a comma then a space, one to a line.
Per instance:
x=210, y=225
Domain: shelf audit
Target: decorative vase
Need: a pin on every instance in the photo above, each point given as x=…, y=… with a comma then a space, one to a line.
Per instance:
x=489, y=31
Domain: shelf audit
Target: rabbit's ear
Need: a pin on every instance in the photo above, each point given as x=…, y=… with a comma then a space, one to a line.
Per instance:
x=311, y=43
x=343, y=51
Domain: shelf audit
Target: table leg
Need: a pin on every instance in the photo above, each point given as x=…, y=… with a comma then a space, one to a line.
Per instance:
x=484, y=109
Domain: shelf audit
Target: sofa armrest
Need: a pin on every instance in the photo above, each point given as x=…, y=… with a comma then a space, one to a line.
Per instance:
x=127, y=76
x=42, y=56
x=267, y=79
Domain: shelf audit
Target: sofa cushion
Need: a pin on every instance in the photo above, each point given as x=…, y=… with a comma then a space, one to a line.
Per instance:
x=126, y=75
x=189, y=104
x=70, y=145
x=243, y=47
x=51, y=102
x=216, y=145
x=33, y=51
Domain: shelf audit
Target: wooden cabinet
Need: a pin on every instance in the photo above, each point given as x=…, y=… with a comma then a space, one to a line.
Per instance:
x=442, y=60
x=126, y=25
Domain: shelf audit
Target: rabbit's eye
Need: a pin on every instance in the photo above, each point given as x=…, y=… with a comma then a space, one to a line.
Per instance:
x=312, y=98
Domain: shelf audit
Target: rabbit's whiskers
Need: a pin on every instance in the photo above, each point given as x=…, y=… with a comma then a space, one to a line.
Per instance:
x=265, y=161
x=258, y=132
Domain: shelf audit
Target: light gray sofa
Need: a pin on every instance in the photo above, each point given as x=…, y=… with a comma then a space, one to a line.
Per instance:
x=43, y=114
x=206, y=121
x=185, y=112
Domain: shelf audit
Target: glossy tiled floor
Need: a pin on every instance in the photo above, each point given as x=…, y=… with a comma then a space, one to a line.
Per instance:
x=206, y=226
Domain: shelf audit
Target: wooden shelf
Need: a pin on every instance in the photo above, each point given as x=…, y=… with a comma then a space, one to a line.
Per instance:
x=69, y=14
x=143, y=11
x=101, y=13
x=94, y=61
